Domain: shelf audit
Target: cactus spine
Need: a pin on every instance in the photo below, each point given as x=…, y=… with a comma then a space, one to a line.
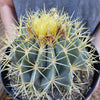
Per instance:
x=48, y=50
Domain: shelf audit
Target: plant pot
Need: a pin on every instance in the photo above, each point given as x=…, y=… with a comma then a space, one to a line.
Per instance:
x=96, y=76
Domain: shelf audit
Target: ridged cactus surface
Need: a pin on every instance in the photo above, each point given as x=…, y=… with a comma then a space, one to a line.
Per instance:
x=48, y=50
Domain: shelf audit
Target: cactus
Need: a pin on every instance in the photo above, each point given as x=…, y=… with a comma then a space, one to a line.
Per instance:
x=48, y=50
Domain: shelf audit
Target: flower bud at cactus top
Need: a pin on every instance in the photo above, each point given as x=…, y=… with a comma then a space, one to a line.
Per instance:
x=47, y=54
x=44, y=25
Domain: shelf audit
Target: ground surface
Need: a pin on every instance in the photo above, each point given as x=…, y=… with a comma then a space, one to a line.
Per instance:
x=5, y=96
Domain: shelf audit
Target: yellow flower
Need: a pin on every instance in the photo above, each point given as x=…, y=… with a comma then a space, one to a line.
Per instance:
x=45, y=25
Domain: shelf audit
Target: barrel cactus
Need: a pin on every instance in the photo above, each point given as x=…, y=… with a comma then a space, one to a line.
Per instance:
x=48, y=51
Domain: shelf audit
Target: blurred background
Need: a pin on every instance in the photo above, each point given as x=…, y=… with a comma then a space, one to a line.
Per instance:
x=5, y=96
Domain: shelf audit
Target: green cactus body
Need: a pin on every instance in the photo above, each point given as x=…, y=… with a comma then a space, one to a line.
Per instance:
x=42, y=65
